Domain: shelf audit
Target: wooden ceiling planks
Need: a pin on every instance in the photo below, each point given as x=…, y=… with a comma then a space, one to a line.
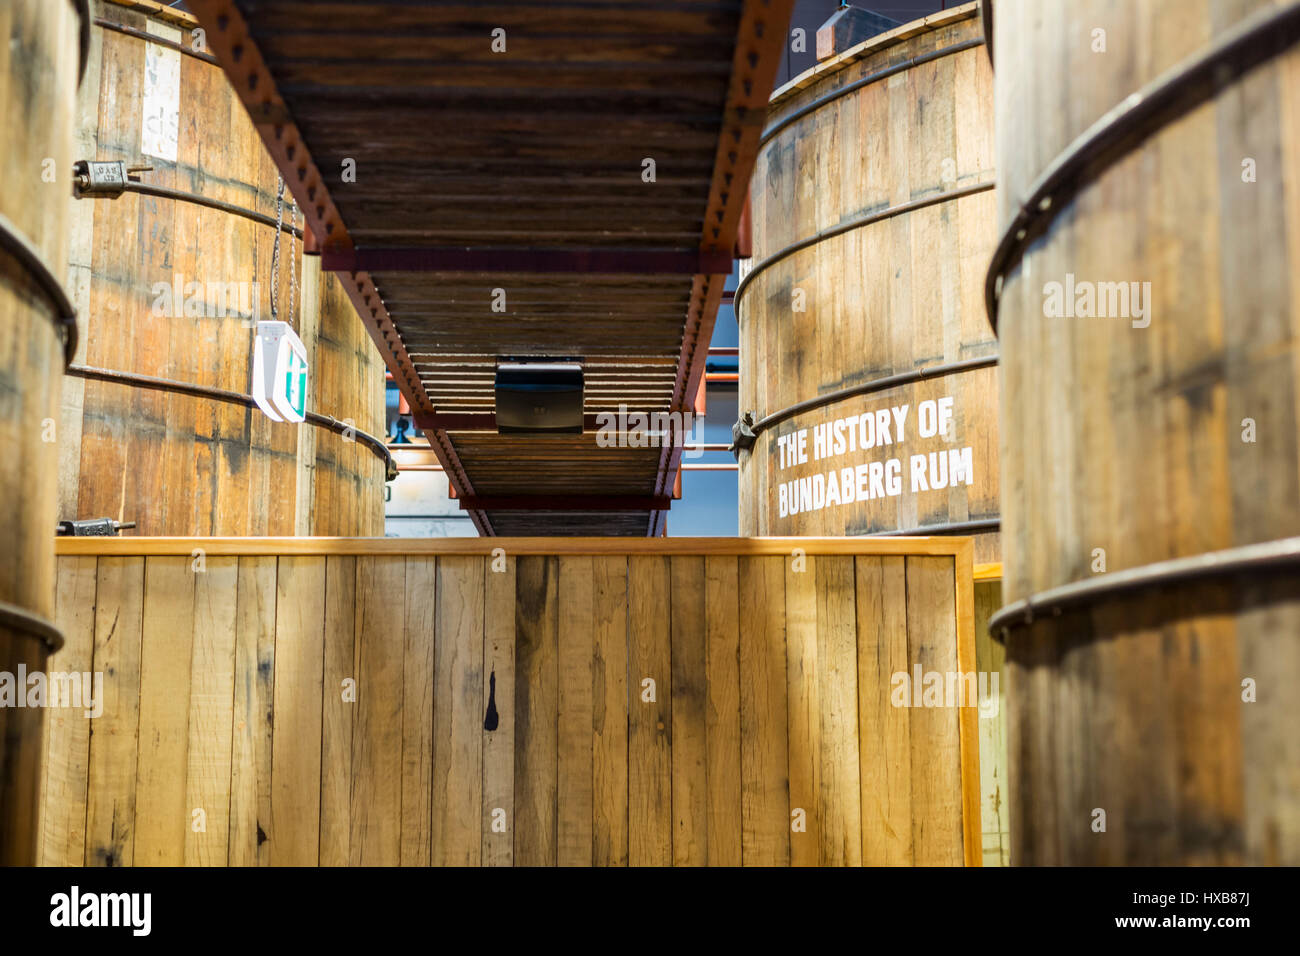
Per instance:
x=479, y=169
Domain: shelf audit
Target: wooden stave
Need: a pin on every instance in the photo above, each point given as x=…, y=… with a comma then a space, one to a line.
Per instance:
x=1206, y=357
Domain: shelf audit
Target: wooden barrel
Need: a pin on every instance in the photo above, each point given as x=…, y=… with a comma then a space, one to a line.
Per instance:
x=873, y=218
x=39, y=71
x=866, y=361
x=1146, y=295
x=166, y=286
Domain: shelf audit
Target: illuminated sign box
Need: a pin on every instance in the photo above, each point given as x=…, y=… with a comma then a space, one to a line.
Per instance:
x=280, y=372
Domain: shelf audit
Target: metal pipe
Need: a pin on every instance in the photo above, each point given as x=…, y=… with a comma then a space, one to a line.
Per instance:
x=233, y=398
x=166, y=192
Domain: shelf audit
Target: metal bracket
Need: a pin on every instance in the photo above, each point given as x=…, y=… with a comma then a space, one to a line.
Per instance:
x=743, y=435
x=92, y=177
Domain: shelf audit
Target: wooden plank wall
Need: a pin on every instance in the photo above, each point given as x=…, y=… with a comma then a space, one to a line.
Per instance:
x=647, y=708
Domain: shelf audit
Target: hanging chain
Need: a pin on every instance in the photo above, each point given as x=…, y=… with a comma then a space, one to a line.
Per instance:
x=293, y=257
x=275, y=252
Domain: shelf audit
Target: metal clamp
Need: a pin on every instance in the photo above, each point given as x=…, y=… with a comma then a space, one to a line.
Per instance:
x=92, y=177
x=92, y=528
x=743, y=435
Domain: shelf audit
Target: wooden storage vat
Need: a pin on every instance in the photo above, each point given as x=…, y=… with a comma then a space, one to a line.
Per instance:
x=38, y=85
x=1126, y=438
x=416, y=702
x=175, y=464
x=888, y=297
x=900, y=292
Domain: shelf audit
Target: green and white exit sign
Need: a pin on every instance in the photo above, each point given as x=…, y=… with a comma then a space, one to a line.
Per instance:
x=280, y=372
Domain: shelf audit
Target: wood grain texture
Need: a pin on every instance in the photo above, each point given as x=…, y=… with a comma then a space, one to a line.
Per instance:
x=609, y=683
x=377, y=727
x=932, y=646
x=254, y=708
x=885, y=731
x=390, y=709
x=110, y=798
x=294, y=832
x=162, y=817
x=458, y=713
x=764, y=756
x=649, y=733
x=536, y=696
x=804, y=708
x=838, y=796
x=990, y=660
x=338, y=710
x=690, y=780
x=722, y=710
x=575, y=772
x=212, y=691
x=432, y=638
x=499, y=588
x=68, y=724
